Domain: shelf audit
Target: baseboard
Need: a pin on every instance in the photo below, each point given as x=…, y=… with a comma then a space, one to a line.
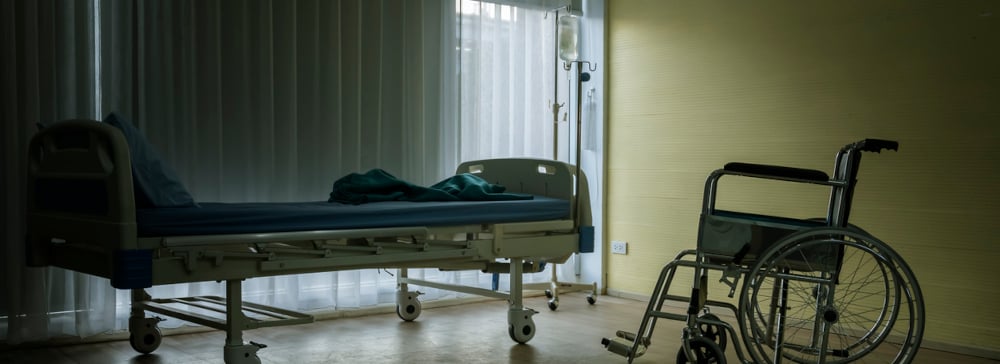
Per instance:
x=628, y=295
x=961, y=349
x=929, y=344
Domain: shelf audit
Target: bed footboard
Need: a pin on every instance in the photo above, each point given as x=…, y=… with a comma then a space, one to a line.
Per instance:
x=80, y=204
x=538, y=177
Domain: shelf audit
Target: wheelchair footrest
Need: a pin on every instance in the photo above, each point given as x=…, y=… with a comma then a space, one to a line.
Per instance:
x=623, y=347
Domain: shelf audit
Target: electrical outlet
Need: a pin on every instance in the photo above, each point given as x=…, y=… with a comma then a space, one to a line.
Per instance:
x=619, y=247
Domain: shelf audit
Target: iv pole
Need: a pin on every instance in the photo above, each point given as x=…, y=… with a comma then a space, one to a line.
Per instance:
x=581, y=77
x=553, y=287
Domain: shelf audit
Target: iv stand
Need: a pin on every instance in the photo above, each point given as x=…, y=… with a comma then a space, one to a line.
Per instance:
x=553, y=287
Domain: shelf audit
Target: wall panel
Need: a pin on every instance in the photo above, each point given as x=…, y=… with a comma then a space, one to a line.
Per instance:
x=693, y=85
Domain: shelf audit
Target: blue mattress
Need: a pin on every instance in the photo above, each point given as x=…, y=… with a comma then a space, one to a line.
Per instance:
x=248, y=218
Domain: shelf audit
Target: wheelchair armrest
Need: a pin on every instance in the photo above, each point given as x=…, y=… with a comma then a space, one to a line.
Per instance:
x=765, y=170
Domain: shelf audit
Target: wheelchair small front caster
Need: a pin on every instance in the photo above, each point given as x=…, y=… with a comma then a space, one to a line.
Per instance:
x=715, y=333
x=553, y=304
x=705, y=352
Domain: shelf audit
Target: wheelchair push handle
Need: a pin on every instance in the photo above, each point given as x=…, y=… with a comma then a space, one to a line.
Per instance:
x=873, y=145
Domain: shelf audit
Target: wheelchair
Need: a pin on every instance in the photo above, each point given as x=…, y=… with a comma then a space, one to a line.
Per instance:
x=814, y=290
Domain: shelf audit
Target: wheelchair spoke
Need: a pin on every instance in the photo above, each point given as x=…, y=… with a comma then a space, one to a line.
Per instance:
x=869, y=313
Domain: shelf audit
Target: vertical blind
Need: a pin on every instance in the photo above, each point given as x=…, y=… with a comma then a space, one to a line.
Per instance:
x=274, y=100
x=506, y=80
x=267, y=101
x=48, y=74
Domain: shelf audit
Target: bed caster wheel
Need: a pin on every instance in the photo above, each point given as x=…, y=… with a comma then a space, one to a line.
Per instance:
x=523, y=334
x=409, y=312
x=407, y=305
x=146, y=342
x=591, y=299
x=548, y=293
x=705, y=352
x=520, y=325
x=553, y=304
x=144, y=334
x=242, y=354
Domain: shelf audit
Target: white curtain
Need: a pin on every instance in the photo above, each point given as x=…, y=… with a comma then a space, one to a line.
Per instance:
x=275, y=100
x=510, y=83
x=48, y=74
x=267, y=101
x=507, y=80
x=590, y=268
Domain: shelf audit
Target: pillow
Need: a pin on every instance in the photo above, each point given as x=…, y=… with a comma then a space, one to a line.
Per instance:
x=154, y=182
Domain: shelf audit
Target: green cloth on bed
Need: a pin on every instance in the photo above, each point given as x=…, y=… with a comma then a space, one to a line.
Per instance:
x=378, y=185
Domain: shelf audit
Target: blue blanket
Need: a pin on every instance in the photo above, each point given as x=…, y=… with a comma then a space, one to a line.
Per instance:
x=378, y=185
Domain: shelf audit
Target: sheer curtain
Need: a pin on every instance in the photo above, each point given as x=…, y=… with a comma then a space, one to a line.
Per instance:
x=267, y=101
x=507, y=80
x=248, y=101
x=275, y=100
x=49, y=74
x=510, y=83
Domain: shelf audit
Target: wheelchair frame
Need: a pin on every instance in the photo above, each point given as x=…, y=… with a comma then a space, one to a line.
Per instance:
x=805, y=296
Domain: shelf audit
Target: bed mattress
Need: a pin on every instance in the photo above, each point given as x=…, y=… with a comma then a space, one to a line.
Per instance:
x=249, y=218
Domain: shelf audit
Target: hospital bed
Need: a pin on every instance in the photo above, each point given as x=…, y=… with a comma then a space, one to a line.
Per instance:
x=83, y=216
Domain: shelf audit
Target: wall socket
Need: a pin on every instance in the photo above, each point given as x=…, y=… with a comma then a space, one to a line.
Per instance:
x=619, y=247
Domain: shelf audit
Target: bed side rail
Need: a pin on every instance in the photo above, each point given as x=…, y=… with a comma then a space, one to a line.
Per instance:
x=79, y=197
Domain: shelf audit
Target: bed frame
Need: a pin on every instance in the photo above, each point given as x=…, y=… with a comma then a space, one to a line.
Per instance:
x=82, y=216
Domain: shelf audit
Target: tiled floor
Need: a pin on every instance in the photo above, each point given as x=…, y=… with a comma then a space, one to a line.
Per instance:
x=467, y=333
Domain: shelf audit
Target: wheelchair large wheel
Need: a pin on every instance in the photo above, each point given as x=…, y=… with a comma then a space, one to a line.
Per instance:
x=836, y=295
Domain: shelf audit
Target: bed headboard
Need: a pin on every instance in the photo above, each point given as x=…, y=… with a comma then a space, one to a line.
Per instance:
x=535, y=176
x=79, y=189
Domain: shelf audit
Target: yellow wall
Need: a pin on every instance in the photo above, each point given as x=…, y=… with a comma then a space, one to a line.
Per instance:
x=695, y=84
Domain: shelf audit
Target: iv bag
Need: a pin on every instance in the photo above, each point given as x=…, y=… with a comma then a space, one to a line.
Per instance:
x=569, y=29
